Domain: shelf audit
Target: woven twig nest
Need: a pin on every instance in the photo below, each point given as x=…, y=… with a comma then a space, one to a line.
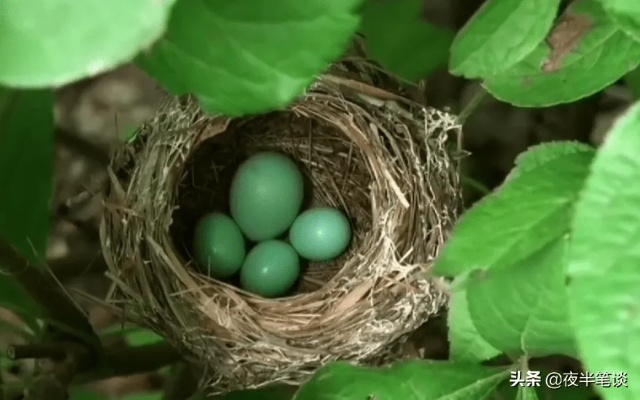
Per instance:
x=382, y=159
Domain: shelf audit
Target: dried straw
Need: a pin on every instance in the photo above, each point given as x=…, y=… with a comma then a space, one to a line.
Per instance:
x=381, y=158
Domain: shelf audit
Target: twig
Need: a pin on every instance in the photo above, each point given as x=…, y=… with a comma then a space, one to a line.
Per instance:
x=65, y=363
x=48, y=294
x=182, y=384
x=68, y=324
x=37, y=350
x=54, y=377
x=132, y=360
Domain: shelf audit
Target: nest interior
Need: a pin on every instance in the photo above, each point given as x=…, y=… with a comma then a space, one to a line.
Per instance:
x=335, y=170
x=384, y=163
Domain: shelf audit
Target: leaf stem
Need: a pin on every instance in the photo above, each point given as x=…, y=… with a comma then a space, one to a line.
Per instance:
x=472, y=105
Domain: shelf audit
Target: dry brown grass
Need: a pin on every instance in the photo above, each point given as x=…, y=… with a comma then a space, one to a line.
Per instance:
x=379, y=157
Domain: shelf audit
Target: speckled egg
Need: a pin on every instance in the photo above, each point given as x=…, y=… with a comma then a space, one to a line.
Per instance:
x=270, y=269
x=266, y=195
x=218, y=245
x=320, y=234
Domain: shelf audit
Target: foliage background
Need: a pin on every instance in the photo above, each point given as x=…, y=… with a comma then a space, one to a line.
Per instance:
x=545, y=268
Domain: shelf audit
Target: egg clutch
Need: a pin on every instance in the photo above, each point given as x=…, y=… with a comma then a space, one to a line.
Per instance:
x=265, y=201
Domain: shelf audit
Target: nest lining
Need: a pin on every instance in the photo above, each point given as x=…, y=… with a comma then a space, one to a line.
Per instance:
x=384, y=164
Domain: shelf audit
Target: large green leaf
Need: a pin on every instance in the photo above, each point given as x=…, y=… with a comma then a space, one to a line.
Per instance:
x=531, y=210
x=26, y=170
x=540, y=154
x=466, y=344
x=604, y=263
x=245, y=57
x=522, y=309
x=54, y=42
x=526, y=393
x=562, y=391
x=589, y=53
x=500, y=34
x=408, y=380
x=626, y=14
x=402, y=41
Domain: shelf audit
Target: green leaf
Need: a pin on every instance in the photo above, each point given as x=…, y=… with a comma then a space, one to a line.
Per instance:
x=539, y=154
x=581, y=392
x=604, y=259
x=526, y=393
x=589, y=53
x=142, y=337
x=466, y=344
x=632, y=80
x=500, y=34
x=38, y=50
x=407, y=380
x=531, y=210
x=249, y=57
x=134, y=335
x=522, y=309
x=626, y=14
x=26, y=170
x=506, y=391
x=400, y=40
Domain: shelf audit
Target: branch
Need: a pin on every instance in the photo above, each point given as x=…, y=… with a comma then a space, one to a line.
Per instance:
x=181, y=384
x=77, y=339
x=132, y=360
x=56, y=305
x=36, y=350
x=45, y=290
x=67, y=324
x=61, y=364
x=54, y=377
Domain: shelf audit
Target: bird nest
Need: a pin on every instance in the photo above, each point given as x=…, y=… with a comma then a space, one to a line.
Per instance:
x=382, y=159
